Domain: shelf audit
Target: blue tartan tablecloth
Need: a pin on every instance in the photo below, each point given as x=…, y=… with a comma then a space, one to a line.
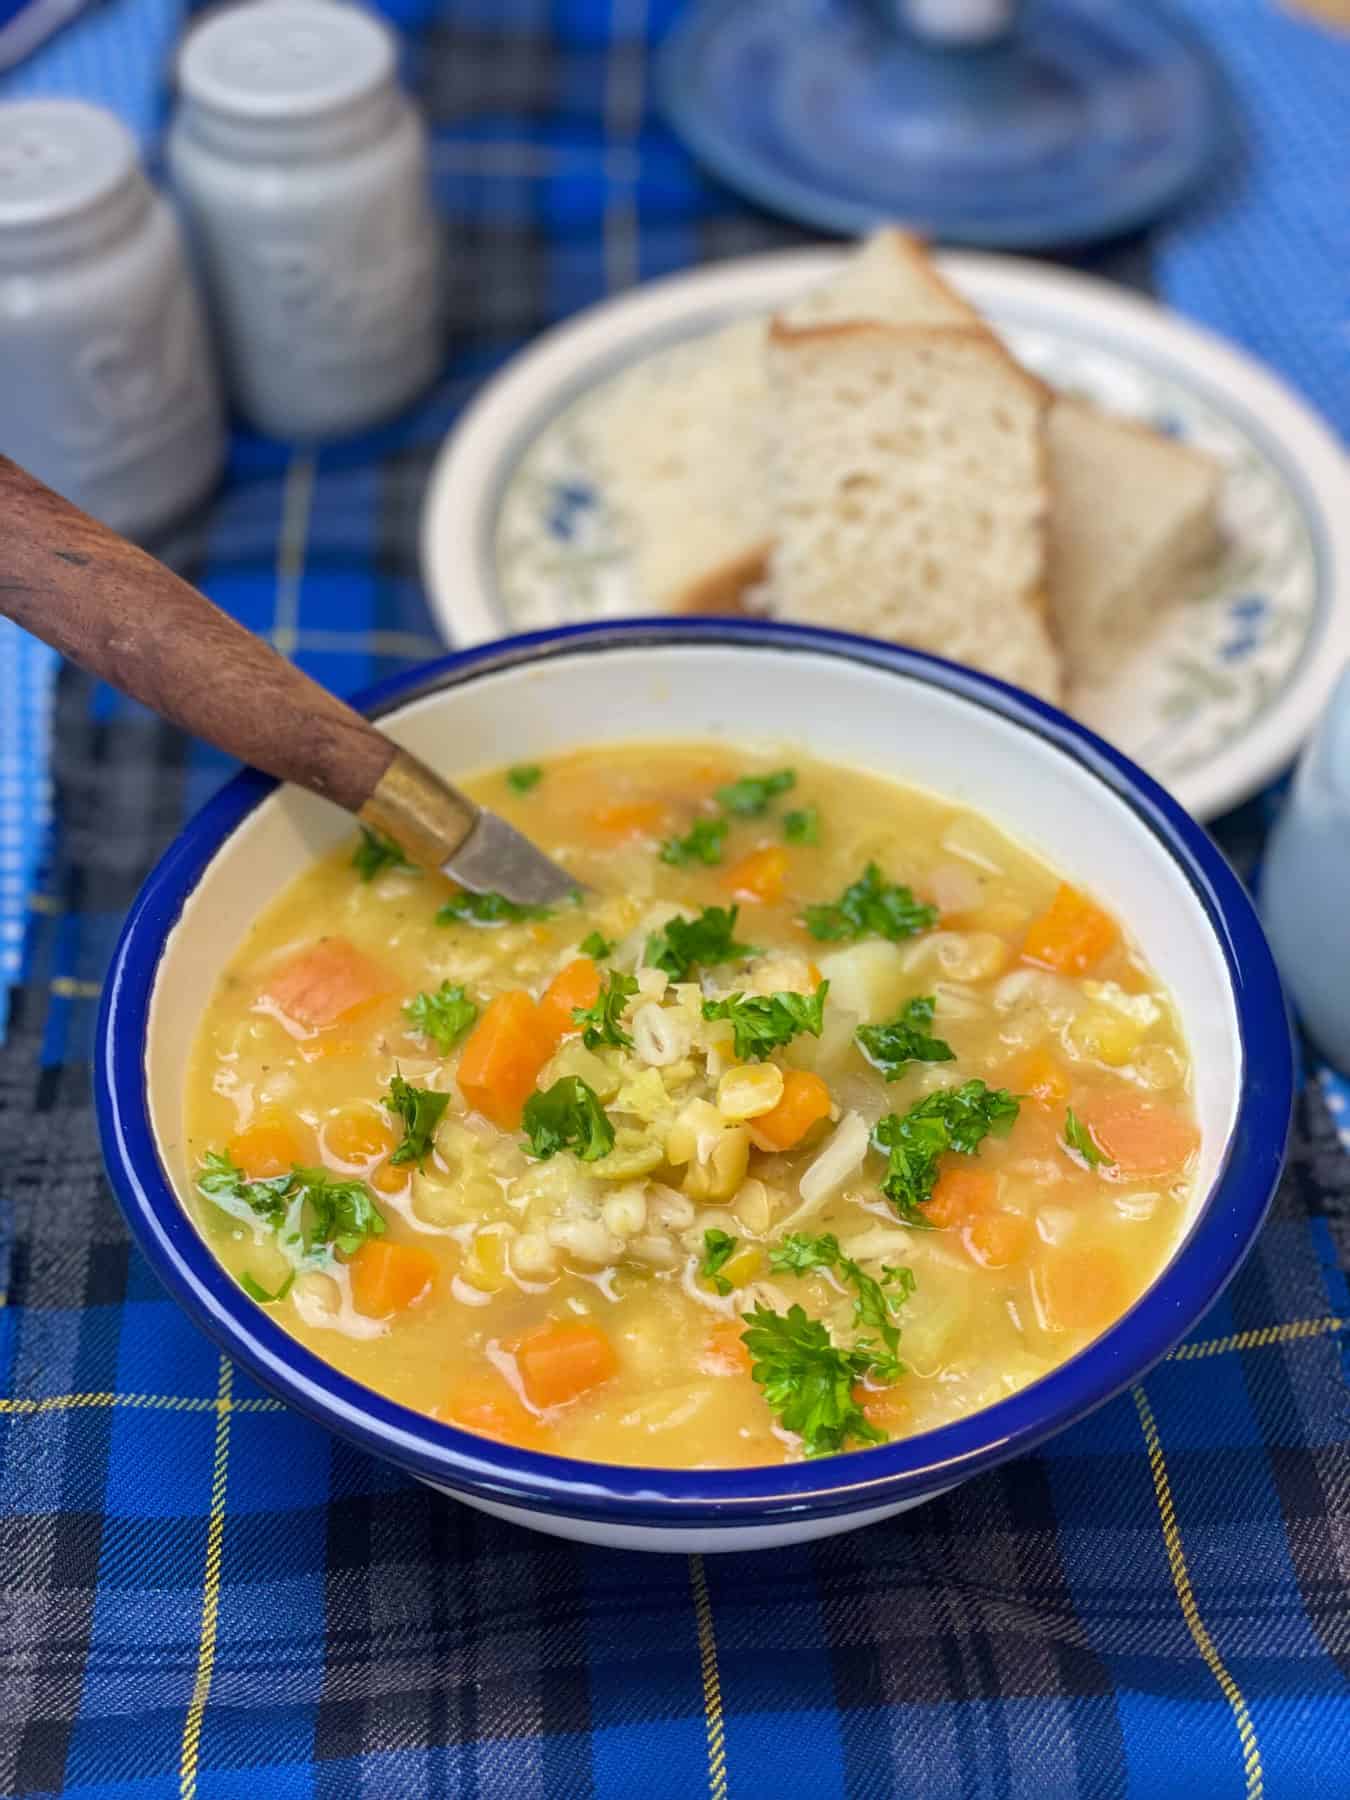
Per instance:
x=204, y=1597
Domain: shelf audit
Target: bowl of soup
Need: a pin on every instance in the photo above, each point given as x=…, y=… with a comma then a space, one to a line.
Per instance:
x=906, y=1075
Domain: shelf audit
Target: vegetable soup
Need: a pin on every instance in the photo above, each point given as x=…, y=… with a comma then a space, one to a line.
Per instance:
x=825, y=1115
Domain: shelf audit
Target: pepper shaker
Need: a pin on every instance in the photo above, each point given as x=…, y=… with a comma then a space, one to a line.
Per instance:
x=302, y=167
x=107, y=389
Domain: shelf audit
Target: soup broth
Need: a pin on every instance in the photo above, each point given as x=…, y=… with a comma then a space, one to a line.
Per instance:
x=827, y=1114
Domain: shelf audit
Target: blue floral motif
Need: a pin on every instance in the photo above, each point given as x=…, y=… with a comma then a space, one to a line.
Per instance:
x=1247, y=617
x=568, y=503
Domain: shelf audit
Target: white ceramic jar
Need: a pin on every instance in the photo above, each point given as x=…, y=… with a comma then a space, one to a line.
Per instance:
x=107, y=389
x=302, y=168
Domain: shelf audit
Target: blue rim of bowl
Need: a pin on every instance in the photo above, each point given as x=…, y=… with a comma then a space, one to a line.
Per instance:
x=559, y=1487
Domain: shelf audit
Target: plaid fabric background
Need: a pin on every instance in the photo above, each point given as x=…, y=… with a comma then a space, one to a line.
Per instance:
x=203, y=1595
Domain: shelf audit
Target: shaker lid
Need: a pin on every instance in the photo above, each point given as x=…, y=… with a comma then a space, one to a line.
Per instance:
x=285, y=59
x=59, y=159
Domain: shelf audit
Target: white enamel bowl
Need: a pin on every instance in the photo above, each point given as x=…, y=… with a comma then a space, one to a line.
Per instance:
x=1065, y=794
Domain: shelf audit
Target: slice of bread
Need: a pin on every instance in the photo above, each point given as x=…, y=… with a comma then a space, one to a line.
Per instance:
x=1134, y=515
x=890, y=280
x=909, y=492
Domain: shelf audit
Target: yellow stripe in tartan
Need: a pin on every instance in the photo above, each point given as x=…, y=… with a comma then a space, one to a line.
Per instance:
x=1258, y=1339
x=215, y=1533
x=712, y=1685
x=65, y=987
x=1181, y=1581
x=138, y=1402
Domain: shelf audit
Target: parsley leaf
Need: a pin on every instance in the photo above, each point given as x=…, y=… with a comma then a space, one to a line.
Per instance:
x=256, y=1291
x=601, y=1021
x=523, y=777
x=702, y=843
x=487, y=909
x=750, y=796
x=871, y=906
x=808, y=1380
x=906, y=1039
x=717, y=1247
x=342, y=1214
x=958, y=1118
x=802, y=827
x=761, y=1023
x=873, y=1306
x=1079, y=1138
x=684, y=945
x=375, y=853
x=420, y=1110
x=223, y=1181
x=568, y=1116
x=596, y=946
x=444, y=1016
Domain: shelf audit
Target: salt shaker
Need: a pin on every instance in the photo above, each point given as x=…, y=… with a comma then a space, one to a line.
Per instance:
x=1305, y=881
x=107, y=389
x=302, y=168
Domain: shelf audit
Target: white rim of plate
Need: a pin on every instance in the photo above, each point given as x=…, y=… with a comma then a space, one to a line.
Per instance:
x=460, y=508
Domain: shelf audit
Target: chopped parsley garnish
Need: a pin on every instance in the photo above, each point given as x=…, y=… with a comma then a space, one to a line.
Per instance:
x=327, y=1213
x=750, y=796
x=256, y=1291
x=873, y=907
x=443, y=1016
x=568, y=1116
x=375, y=853
x=808, y=1379
x=761, y=1023
x=701, y=843
x=600, y=1022
x=873, y=1308
x=717, y=1247
x=523, y=777
x=803, y=826
x=684, y=945
x=905, y=1039
x=420, y=1110
x=1079, y=1138
x=957, y=1118
x=487, y=909
x=596, y=946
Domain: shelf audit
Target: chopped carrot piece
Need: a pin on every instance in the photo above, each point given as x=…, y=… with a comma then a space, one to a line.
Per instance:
x=886, y=1408
x=485, y=1404
x=995, y=1239
x=576, y=985
x=269, y=1146
x=631, y=818
x=805, y=1101
x=960, y=1194
x=329, y=981
x=359, y=1135
x=503, y=1056
x=1040, y=1077
x=725, y=1352
x=758, y=877
x=1071, y=935
x=1142, y=1137
x=389, y=1277
x=563, y=1359
x=390, y=1178
x=1080, y=1290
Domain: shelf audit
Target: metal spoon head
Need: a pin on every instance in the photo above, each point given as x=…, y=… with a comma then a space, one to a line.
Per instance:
x=495, y=858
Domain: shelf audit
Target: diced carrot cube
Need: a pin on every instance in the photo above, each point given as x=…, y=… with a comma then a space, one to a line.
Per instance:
x=725, y=1353
x=631, y=818
x=484, y=1403
x=1039, y=1076
x=1071, y=935
x=805, y=1101
x=885, y=1408
x=561, y=1360
x=503, y=1056
x=959, y=1194
x=1080, y=1290
x=995, y=1239
x=758, y=877
x=329, y=981
x=358, y=1135
x=1142, y=1137
x=390, y=1178
x=269, y=1146
x=389, y=1277
x=575, y=986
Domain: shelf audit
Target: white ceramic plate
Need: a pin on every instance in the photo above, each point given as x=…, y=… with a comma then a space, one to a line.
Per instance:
x=517, y=531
